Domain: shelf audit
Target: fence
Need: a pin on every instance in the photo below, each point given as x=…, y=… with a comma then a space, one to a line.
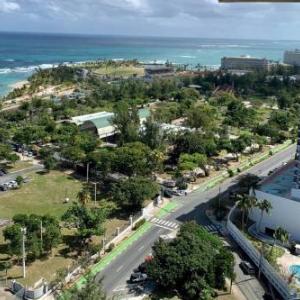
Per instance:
x=43, y=288
x=270, y=273
x=28, y=293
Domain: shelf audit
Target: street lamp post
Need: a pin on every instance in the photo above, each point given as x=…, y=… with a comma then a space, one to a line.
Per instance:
x=87, y=172
x=23, y=231
x=95, y=192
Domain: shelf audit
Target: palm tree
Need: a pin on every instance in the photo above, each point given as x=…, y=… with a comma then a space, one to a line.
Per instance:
x=281, y=235
x=243, y=205
x=84, y=195
x=252, y=203
x=264, y=206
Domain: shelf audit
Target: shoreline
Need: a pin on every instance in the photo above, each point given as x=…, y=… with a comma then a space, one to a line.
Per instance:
x=18, y=84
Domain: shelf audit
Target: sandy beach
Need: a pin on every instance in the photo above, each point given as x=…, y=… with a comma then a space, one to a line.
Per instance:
x=19, y=84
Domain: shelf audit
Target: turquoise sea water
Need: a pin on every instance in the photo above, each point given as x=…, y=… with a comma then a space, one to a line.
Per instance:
x=295, y=269
x=21, y=54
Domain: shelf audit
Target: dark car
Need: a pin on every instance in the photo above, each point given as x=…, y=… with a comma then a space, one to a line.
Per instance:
x=3, y=171
x=167, y=193
x=140, y=269
x=247, y=268
x=3, y=188
x=138, y=277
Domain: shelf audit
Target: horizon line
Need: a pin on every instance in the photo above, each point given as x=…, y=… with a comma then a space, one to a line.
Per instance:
x=137, y=36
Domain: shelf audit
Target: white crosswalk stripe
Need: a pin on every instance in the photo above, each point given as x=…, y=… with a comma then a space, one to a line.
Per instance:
x=164, y=223
x=211, y=228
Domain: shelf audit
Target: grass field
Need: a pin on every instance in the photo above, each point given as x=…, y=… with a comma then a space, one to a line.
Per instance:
x=20, y=165
x=120, y=71
x=44, y=194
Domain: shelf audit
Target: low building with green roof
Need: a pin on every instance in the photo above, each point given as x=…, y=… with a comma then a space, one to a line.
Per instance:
x=100, y=123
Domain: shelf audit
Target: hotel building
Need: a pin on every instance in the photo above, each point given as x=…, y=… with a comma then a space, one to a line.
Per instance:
x=245, y=63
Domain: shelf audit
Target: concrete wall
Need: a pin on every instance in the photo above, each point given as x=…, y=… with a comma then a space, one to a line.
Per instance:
x=285, y=213
x=270, y=273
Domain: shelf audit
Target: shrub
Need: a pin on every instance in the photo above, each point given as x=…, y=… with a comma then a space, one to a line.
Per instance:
x=181, y=184
x=293, y=248
x=19, y=180
x=230, y=172
x=110, y=247
x=138, y=224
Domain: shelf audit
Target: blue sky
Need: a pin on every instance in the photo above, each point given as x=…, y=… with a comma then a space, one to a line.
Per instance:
x=199, y=18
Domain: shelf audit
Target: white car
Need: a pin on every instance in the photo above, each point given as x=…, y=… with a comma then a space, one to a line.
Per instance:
x=13, y=184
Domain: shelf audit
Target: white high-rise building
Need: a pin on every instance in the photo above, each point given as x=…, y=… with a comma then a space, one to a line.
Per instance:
x=282, y=190
x=245, y=63
x=292, y=57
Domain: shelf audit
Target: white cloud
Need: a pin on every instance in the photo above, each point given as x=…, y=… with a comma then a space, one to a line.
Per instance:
x=8, y=6
x=207, y=18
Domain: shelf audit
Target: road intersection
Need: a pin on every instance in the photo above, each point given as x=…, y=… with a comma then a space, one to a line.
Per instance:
x=190, y=207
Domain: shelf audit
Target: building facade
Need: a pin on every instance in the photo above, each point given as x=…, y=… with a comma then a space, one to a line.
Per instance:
x=292, y=57
x=245, y=63
x=282, y=190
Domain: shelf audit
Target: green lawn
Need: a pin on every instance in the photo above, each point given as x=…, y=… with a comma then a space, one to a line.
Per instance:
x=44, y=194
x=120, y=71
x=19, y=165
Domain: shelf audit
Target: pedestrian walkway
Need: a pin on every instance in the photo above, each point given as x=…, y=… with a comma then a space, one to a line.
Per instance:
x=170, y=225
x=211, y=228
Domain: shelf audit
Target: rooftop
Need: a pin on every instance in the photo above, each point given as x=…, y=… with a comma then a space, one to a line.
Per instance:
x=280, y=182
x=102, y=119
x=79, y=120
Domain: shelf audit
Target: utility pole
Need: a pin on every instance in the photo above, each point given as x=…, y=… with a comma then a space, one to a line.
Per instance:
x=42, y=235
x=95, y=192
x=87, y=171
x=219, y=197
x=23, y=231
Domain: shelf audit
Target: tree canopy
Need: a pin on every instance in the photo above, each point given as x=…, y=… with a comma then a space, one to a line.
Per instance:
x=194, y=263
x=35, y=246
x=132, y=193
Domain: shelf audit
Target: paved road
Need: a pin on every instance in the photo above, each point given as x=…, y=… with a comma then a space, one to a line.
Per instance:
x=14, y=175
x=191, y=207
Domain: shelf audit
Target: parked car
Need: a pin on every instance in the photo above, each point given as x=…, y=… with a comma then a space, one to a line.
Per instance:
x=1, y=173
x=138, y=277
x=169, y=183
x=30, y=154
x=176, y=193
x=247, y=267
x=3, y=188
x=167, y=193
x=13, y=184
x=141, y=268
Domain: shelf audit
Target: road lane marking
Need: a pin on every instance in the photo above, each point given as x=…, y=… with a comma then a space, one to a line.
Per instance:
x=141, y=248
x=119, y=269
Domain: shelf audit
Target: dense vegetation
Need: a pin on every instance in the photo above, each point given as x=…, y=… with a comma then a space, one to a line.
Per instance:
x=42, y=235
x=193, y=264
x=216, y=113
x=225, y=114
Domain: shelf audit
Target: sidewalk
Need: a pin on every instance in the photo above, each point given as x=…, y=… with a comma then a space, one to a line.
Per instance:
x=121, y=247
x=168, y=208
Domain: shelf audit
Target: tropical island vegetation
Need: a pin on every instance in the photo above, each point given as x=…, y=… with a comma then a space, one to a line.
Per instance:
x=224, y=119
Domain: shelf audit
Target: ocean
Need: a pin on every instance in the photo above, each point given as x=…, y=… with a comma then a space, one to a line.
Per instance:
x=22, y=53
